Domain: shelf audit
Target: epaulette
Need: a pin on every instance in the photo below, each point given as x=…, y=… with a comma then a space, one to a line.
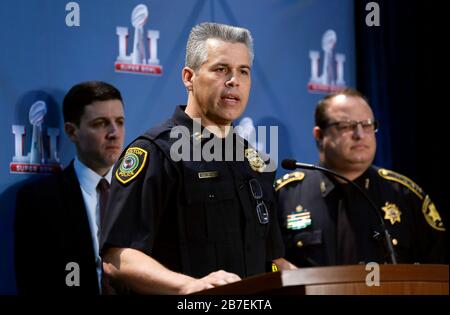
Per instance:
x=405, y=181
x=288, y=178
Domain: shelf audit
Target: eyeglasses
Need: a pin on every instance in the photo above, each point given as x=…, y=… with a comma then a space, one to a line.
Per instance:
x=261, y=209
x=368, y=125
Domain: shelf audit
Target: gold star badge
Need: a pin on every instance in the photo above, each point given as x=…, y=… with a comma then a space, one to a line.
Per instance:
x=391, y=212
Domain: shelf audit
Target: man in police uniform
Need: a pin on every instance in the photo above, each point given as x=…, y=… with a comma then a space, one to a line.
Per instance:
x=326, y=222
x=179, y=222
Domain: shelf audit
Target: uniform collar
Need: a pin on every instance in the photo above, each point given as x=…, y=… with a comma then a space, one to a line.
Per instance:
x=328, y=184
x=180, y=117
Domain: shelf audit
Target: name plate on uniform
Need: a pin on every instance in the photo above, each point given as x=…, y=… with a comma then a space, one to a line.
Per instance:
x=204, y=175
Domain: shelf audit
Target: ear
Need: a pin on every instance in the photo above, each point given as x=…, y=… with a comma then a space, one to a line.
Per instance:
x=71, y=131
x=318, y=136
x=187, y=75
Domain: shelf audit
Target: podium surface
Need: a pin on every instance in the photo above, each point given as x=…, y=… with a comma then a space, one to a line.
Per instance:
x=393, y=279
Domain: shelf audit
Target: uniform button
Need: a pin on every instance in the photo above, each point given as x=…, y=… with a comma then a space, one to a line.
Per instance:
x=394, y=241
x=299, y=244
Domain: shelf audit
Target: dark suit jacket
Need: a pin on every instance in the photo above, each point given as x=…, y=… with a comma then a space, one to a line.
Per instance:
x=52, y=230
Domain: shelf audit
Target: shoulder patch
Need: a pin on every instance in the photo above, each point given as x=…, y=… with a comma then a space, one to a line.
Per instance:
x=405, y=181
x=431, y=214
x=288, y=178
x=131, y=165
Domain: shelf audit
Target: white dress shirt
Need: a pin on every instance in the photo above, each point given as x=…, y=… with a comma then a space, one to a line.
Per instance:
x=88, y=183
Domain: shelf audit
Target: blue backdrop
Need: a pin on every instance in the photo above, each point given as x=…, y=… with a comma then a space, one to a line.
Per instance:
x=41, y=57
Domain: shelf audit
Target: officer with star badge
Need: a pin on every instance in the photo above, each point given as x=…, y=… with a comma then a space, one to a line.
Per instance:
x=325, y=221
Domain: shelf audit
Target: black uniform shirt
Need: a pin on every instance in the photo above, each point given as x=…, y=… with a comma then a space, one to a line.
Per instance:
x=194, y=216
x=324, y=222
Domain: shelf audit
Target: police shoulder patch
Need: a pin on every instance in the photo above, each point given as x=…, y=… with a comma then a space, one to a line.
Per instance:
x=288, y=178
x=405, y=181
x=131, y=165
x=431, y=214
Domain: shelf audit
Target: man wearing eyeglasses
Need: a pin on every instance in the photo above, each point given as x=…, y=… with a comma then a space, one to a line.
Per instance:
x=324, y=221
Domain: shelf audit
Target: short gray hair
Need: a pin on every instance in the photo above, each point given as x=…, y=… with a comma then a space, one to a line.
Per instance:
x=196, y=51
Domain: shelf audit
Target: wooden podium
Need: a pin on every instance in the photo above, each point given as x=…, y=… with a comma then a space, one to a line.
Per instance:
x=393, y=279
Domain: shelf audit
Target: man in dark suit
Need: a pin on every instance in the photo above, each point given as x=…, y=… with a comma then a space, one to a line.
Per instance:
x=58, y=217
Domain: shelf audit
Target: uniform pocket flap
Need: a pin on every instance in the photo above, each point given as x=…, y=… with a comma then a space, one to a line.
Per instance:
x=208, y=192
x=309, y=238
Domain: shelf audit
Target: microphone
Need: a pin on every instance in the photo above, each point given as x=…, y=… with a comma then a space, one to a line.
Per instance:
x=293, y=164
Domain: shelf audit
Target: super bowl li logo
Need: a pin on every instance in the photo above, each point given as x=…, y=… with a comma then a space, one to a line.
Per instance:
x=331, y=78
x=137, y=61
x=43, y=155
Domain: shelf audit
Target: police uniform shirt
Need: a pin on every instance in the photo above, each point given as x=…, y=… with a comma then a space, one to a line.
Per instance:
x=324, y=222
x=194, y=217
